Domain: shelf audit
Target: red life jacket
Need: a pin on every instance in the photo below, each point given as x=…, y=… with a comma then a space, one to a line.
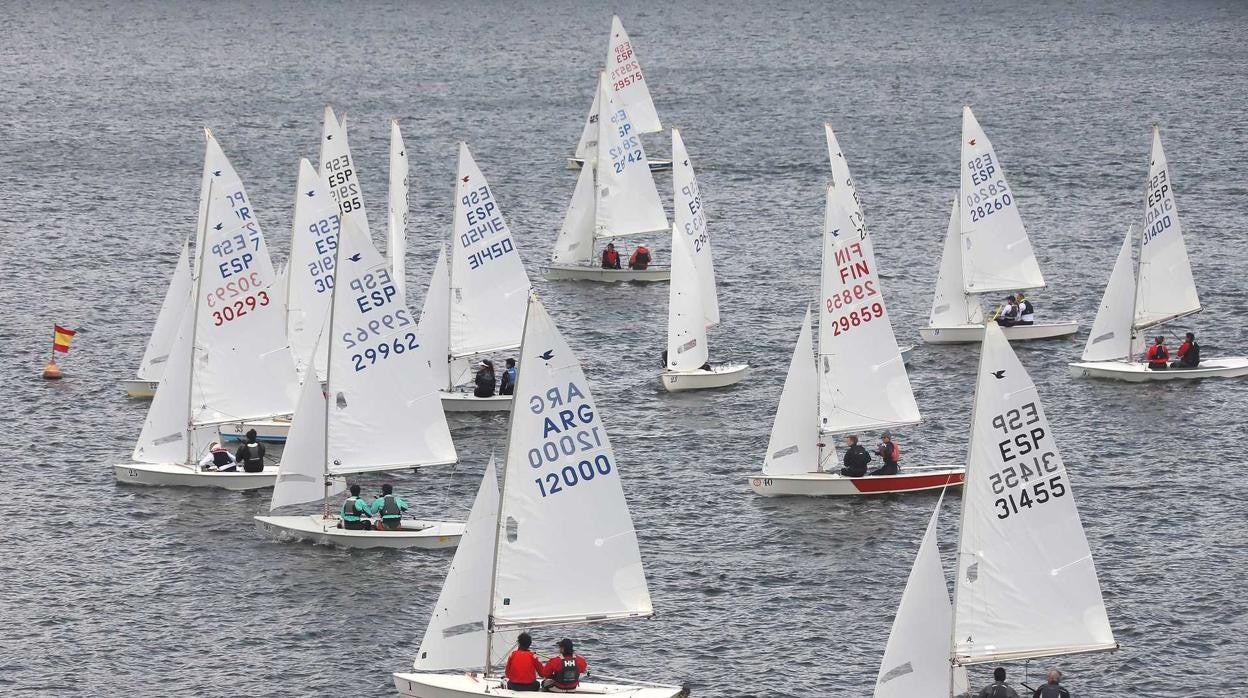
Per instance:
x=1158, y=354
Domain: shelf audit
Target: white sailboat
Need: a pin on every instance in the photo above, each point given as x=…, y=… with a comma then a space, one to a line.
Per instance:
x=396, y=239
x=476, y=308
x=1159, y=289
x=231, y=336
x=615, y=196
x=310, y=272
x=152, y=367
x=986, y=250
x=382, y=411
x=693, y=302
x=628, y=84
x=859, y=382
x=561, y=486
x=339, y=170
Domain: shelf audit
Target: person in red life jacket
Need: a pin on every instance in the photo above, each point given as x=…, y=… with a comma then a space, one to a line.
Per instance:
x=563, y=672
x=218, y=459
x=889, y=452
x=610, y=258
x=1158, y=355
x=1189, y=353
x=523, y=667
x=640, y=258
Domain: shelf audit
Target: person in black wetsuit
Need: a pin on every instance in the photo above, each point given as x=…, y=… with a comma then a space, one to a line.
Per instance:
x=251, y=454
x=1052, y=688
x=484, y=381
x=998, y=688
x=1189, y=353
x=856, y=458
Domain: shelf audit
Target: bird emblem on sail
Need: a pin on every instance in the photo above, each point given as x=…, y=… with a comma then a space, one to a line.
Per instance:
x=971, y=142
x=998, y=374
x=355, y=257
x=465, y=179
x=216, y=173
x=547, y=355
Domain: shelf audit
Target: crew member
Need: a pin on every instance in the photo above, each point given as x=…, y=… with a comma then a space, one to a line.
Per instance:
x=610, y=258
x=523, y=667
x=1007, y=315
x=640, y=258
x=563, y=672
x=1158, y=355
x=856, y=458
x=251, y=454
x=391, y=507
x=507, y=386
x=1052, y=688
x=218, y=459
x=998, y=688
x=1026, y=311
x=1189, y=353
x=484, y=380
x=889, y=452
x=354, y=512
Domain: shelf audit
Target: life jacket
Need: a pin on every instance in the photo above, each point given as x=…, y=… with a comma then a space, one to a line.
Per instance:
x=1009, y=311
x=569, y=676
x=349, y=512
x=253, y=456
x=221, y=457
x=1027, y=313
x=610, y=259
x=640, y=258
x=1158, y=354
x=390, y=508
x=894, y=452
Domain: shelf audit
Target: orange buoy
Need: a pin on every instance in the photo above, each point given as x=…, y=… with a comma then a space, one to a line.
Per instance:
x=52, y=372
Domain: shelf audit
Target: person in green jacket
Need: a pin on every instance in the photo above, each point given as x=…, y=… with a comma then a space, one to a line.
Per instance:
x=355, y=512
x=391, y=507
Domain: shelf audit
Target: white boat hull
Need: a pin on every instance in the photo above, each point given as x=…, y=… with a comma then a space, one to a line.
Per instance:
x=317, y=529
x=655, y=165
x=1138, y=372
x=585, y=272
x=906, y=354
x=459, y=685
x=719, y=376
x=837, y=485
x=963, y=334
x=467, y=402
x=136, y=387
x=180, y=475
x=269, y=431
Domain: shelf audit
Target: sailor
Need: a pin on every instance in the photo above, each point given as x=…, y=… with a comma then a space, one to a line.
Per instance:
x=998, y=688
x=856, y=458
x=507, y=386
x=640, y=258
x=523, y=667
x=1007, y=315
x=563, y=672
x=1158, y=355
x=218, y=459
x=484, y=380
x=390, y=506
x=610, y=258
x=889, y=452
x=1026, y=311
x=1052, y=688
x=354, y=512
x=1189, y=353
x=251, y=454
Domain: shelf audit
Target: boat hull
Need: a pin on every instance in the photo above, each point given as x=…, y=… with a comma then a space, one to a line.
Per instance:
x=269, y=431
x=415, y=685
x=317, y=529
x=837, y=485
x=907, y=353
x=136, y=387
x=655, y=165
x=180, y=475
x=1137, y=371
x=585, y=272
x=720, y=376
x=963, y=334
x=467, y=402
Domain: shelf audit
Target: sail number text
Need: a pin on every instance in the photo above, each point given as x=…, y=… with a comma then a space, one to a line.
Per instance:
x=1031, y=476
x=483, y=219
x=695, y=226
x=629, y=149
x=321, y=269
x=852, y=305
x=989, y=193
x=627, y=71
x=1160, y=206
x=572, y=441
x=377, y=290
x=339, y=175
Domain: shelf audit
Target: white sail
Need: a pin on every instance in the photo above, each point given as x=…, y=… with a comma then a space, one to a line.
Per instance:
x=562, y=496
x=1165, y=289
x=916, y=658
x=686, y=323
x=310, y=273
x=385, y=411
x=165, y=437
x=587, y=146
x=243, y=365
x=1110, y=338
x=1026, y=585
x=794, y=444
x=339, y=170
x=396, y=238
x=690, y=219
x=301, y=472
x=627, y=82
x=435, y=319
x=628, y=201
x=862, y=382
x=168, y=320
x=456, y=636
x=489, y=286
x=996, y=253
x=842, y=179
x=951, y=306
x=575, y=244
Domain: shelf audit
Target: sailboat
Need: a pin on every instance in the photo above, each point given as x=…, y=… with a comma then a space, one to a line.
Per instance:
x=230, y=361
x=628, y=85
x=858, y=382
x=310, y=272
x=1159, y=289
x=476, y=307
x=615, y=196
x=1026, y=587
x=986, y=250
x=561, y=482
x=693, y=302
x=152, y=367
x=382, y=411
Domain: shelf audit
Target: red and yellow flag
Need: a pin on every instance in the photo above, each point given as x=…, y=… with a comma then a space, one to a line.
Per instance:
x=61, y=338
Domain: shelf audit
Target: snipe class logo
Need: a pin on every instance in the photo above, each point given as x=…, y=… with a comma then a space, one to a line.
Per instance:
x=547, y=355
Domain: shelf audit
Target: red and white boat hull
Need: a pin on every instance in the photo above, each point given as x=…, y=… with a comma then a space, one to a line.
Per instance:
x=837, y=485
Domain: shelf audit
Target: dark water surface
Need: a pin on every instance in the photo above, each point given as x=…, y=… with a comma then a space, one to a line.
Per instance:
x=106, y=590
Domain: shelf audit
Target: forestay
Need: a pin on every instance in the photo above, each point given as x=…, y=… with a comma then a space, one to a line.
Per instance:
x=996, y=253
x=793, y=447
x=562, y=497
x=396, y=238
x=1110, y=338
x=863, y=382
x=1165, y=289
x=686, y=325
x=165, y=437
x=385, y=412
x=950, y=305
x=488, y=282
x=435, y=321
x=310, y=275
x=627, y=82
x=168, y=319
x=301, y=473
x=575, y=243
x=628, y=201
x=339, y=170
x=587, y=146
x=690, y=220
x=1026, y=585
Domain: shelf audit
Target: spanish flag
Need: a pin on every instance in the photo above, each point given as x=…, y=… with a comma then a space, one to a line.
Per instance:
x=61, y=339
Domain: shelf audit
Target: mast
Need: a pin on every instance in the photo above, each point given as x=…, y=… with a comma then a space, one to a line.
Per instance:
x=450, y=285
x=329, y=364
x=1135, y=293
x=957, y=556
x=195, y=286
